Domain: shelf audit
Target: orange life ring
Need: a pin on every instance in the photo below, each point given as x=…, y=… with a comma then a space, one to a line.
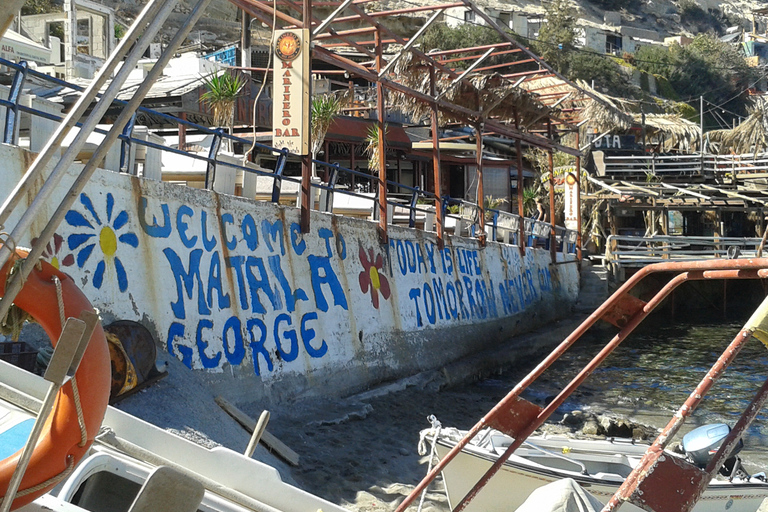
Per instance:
x=60, y=446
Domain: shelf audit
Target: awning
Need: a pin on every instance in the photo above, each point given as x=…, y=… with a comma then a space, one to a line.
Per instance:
x=354, y=129
x=15, y=47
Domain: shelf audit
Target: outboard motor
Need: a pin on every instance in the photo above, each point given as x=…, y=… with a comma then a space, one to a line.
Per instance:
x=701, y=444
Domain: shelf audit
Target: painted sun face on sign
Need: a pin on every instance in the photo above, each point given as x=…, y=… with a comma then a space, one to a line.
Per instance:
x=288, y=46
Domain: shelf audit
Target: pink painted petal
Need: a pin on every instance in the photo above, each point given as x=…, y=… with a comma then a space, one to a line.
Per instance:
x=57, y=241
x=68, y=260
x=374, y=297
x=364, y=259
x=379, y=261
x=365, y=281
x=384, y=286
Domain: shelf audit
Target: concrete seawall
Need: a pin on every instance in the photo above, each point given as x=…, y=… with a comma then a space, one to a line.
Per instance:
x=232, y=287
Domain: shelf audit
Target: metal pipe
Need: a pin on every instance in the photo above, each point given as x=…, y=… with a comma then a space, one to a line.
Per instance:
x=16, y=283
x=544, y=414
x=710, y=269
x=656, y=450
x=410, y=43
x=327, y=21
x=84, y=101
x=465, y=74
x=381, y=114
x=480, y=198
x=62, y=167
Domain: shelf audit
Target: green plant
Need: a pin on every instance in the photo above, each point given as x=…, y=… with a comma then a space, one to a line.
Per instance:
x=557, y=35
x=372, y=148
x=530, y=194
x=325, y=108
x=492, y=203
x=222, y=91
x=40, y=7
x=606, y=73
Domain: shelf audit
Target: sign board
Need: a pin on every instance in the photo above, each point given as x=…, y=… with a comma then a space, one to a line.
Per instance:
x=613, y=142
x=291, y=80
x=571, y=200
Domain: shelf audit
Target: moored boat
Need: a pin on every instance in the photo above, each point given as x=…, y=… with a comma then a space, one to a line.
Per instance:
x=128, y=451
x=599, y=466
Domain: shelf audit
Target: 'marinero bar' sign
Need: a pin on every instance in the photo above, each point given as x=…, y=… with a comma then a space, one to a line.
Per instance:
x=290, y=110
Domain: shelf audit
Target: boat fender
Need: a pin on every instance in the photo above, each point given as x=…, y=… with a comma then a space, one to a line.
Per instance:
x=50, y=296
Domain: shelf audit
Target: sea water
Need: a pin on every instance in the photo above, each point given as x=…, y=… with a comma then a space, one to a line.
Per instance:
x=651, y=374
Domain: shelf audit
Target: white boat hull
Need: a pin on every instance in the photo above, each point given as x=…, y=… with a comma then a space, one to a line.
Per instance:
x=517, y=478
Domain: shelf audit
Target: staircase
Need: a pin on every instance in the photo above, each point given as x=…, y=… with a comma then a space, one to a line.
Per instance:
x=594, y=287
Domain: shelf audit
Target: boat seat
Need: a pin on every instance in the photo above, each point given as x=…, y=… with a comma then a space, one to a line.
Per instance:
x=168, y=489
x=15, y=428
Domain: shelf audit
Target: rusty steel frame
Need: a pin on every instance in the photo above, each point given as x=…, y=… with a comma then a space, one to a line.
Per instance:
x=470, y=116
x=753, y=268
x=627, y=490
x=263, y=12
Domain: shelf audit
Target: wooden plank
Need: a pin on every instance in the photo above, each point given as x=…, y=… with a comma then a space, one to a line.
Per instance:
x=270, y=441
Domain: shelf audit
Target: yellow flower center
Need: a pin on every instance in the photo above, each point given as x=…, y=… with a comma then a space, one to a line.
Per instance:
x=374, y=273
x=55, y=262
x=108, y=241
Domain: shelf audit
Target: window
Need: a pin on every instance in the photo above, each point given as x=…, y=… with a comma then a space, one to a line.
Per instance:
x=469, y=15
x=613, y=44
x=83, y=36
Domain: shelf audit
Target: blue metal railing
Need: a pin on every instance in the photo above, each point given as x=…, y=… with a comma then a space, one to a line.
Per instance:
x=502, y=226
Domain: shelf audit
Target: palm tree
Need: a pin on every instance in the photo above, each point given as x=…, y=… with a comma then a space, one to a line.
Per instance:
x=221, y=96
x=325, y=108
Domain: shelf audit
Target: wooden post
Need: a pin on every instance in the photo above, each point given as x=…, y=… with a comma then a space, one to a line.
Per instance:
x=245, y=41
x=578, y=202
x=353, y=148
x=436, y=164
x=480, y=206
x=306, y=160
x=553, y=233
x=183, y=132
x=520, y=210
x=381, y=114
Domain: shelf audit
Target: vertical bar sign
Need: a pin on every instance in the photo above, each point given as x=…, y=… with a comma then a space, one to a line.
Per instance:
x=291, y=75
x=571, y=200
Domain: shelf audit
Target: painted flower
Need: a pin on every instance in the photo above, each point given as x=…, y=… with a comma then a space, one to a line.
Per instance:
x=371, y=276
x=105, y=234
x=52, y=252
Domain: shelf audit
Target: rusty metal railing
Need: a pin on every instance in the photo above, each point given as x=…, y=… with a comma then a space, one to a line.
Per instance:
x=519, y=418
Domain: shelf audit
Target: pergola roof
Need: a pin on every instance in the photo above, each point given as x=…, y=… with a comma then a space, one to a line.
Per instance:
x=519, y=96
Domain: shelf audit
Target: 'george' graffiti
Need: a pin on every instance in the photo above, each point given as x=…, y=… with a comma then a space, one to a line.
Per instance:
x=275, y=283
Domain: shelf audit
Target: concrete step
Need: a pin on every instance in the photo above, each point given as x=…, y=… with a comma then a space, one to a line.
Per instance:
x=594, y=288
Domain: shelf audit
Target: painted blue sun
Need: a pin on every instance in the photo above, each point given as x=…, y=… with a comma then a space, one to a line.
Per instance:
x=105, y=234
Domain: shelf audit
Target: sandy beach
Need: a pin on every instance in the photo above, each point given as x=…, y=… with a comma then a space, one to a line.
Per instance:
x=361, y=451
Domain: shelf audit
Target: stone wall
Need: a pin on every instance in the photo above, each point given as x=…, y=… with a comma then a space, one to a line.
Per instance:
x=232, y=287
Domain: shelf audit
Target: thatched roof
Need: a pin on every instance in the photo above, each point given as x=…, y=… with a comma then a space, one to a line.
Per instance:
x=751, y=136
x=489, y=93
x=617, y=115
x=608, y=115
x=675, y=131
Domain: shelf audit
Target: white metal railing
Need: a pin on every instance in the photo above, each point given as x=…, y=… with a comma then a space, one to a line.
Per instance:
x=638, y=251
x=653, y=164
x=750, y=163
x=692, y=164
